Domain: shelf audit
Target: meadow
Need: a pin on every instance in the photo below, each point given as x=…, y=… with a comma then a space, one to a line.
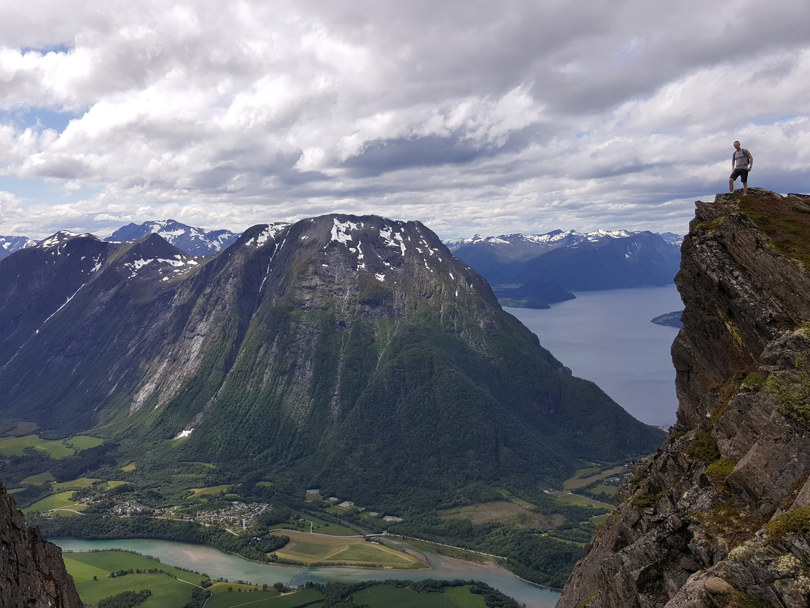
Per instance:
x=103, y=574
x=55, y=448
x=587, y=476
x=381, y=596
x=62, y=502
x=93, y=574
x=307, y=548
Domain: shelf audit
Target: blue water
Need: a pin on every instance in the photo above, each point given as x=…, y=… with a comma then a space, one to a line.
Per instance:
x=217, y=564
x=607, y=337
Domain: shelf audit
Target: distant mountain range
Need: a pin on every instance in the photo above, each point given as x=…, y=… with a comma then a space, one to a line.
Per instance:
x=524, y=270
x=10, y=244
x=536, y=270
x=354, y=354
x=193, y=241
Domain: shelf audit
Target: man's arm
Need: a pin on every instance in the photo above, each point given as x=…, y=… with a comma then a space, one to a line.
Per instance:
x=750, y=160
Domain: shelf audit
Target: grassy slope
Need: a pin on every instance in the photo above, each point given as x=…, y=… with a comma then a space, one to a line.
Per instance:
x=776, y=217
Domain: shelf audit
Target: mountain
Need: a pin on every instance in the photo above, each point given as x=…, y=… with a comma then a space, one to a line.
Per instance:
x=194, y=241
x=569, y=261
x=10, y=244
x=720, y=515
x=32, y=573
x=355, y=354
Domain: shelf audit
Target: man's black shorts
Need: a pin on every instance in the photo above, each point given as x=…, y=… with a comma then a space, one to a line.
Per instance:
x=741, y=173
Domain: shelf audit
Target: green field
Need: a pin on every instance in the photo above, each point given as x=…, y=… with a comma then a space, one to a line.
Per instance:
x=370, y=553
x=102, y=574
x=325, y=527
x=55, y=448
x=582, y=501
x=16, y=446
x=75, y=484
x=210, y=491
x=264, y=599
x=585, y=477
x=62, y=500
x=84, y=442
x=38, y=480
x=383, y=596
x=311, y=548
x=91, y=572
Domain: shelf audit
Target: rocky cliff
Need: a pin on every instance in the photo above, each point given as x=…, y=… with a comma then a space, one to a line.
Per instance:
x=32, y=573
x=720, y=515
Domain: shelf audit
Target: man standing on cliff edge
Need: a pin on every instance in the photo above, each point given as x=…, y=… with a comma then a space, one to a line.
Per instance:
x=741, y=163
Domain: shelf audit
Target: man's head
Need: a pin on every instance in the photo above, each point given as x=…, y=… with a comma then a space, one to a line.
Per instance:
x=736, y=145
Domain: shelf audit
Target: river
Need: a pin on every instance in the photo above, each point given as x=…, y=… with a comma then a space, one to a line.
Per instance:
x=607, y=337
x=217, y=564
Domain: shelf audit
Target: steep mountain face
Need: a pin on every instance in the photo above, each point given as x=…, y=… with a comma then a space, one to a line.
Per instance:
x=39, y=280
x=32, y=573
x=194, y=241
x=532, y=266
x=337, y=349
x=10, y=244
x=720, y=516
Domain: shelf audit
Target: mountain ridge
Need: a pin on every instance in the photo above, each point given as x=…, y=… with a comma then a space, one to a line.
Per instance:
x=393, y=350
x=719, y=515
x=537, y=270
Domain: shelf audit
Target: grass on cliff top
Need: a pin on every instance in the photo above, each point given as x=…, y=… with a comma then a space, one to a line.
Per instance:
x=789, y=230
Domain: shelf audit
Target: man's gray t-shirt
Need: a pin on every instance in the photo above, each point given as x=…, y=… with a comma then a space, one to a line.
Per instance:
x=741, y=159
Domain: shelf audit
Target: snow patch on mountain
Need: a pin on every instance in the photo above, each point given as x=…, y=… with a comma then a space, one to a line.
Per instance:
x=266, y=235
x=179, y=263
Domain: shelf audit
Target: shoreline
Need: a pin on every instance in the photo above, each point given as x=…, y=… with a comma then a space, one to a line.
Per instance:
x=218, y=564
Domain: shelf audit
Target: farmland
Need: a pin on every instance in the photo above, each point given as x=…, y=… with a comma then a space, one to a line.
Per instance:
x=97, y=576
x=306, y=548
x=103, y=574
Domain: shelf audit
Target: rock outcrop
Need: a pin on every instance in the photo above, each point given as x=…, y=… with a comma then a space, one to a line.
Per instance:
x=32, y=573
x=720, y=515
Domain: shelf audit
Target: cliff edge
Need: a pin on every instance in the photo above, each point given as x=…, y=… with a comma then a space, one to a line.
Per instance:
x=720, y=515
x=32, y=573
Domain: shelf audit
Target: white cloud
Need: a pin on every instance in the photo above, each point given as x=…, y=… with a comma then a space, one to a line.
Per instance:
x=470, y=116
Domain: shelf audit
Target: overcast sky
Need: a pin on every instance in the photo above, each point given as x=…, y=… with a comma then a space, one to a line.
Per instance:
x=472, y=117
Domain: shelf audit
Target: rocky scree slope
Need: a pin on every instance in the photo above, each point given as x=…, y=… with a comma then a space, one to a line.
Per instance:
x=720, y=515
x=32, y=573
x=338, y=350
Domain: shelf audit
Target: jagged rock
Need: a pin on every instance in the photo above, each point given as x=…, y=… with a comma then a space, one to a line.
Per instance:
x=32, y=573
x=719, y=515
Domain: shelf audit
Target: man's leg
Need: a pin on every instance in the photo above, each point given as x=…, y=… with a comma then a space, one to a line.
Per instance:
x=744, y=178
x=730, y=185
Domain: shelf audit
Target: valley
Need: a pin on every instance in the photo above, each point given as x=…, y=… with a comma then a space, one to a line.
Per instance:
x=259, y=520
x=338, y=377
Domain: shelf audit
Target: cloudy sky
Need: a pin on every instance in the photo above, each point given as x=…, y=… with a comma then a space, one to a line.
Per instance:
x=473, y=117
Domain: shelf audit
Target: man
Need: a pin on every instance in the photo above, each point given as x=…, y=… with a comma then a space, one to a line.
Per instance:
x=741, y=163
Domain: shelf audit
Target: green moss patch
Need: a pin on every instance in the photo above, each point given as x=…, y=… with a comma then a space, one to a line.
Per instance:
x=793, y=522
